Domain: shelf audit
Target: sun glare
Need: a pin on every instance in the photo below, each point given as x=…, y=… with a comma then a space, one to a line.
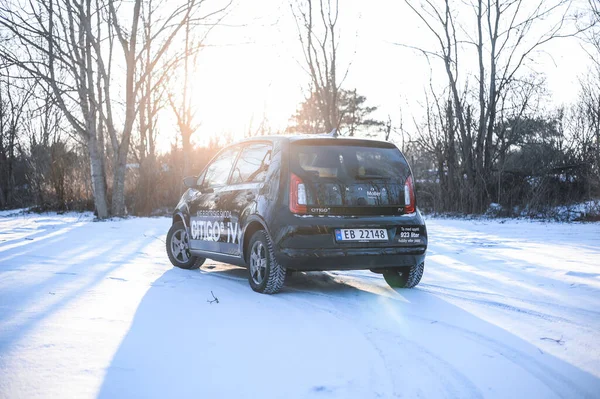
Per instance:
x=250, y=76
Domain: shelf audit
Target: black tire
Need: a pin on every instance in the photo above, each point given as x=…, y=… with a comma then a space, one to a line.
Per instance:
x=265, y=275
x=178, y=238
x=407, y=277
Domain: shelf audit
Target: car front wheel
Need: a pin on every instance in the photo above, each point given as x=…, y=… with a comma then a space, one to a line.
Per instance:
x=404, y=278
x=178, y=248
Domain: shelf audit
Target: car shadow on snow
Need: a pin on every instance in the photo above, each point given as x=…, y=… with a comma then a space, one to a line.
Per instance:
x=65, y=279
x=342, y=335
x=322, y=283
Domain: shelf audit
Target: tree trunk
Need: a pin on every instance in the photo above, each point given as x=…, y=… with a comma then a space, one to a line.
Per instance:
x=98, y=182
x=118, y=196
x=2, y=199
x=451, y=155
x=187, y=148
x=118, y=199
x=596, y=123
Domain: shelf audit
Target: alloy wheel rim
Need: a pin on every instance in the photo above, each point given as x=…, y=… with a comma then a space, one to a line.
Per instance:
x=258, y=262
x=180, y=246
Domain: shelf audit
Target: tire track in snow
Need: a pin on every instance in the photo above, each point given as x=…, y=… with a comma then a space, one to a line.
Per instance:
x=438, y=289
x=507, y=307
x=560, y=385
x=302, y=304
x=449, y=379
x=462, y=386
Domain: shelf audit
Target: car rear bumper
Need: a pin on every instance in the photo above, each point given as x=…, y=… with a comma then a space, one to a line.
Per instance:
x=350, y=258
x=310, y=243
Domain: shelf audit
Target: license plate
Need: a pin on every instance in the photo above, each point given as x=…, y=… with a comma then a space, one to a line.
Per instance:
x=361, y=235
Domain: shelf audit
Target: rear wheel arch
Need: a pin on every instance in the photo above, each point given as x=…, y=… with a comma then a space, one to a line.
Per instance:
x=252, y=227
x=265, y=275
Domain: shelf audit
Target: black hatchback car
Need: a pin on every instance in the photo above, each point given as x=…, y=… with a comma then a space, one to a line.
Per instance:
x=302, y=203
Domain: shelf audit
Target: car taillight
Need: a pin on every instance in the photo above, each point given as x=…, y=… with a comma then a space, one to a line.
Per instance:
x=409, y=196
x=297, y=195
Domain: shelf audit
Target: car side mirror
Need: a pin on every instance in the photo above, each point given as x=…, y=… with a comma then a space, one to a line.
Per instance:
x=190, y=181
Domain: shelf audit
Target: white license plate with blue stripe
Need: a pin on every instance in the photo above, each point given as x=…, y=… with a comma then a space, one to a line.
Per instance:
x=361, y=235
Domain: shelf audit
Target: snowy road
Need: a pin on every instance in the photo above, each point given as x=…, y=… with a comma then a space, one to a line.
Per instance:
x=505, y=310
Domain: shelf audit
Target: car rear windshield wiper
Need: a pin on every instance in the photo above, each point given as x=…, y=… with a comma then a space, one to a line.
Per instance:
x=368, y=177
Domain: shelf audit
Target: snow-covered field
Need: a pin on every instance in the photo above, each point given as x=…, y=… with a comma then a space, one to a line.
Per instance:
x=504, y=310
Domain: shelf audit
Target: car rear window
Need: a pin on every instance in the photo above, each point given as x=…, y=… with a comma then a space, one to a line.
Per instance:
x=351, y=163
x=347, y=174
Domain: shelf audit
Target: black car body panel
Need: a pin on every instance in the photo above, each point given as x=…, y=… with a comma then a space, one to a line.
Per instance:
x=222, y=213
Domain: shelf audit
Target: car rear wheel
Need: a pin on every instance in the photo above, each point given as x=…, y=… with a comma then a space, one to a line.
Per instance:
x=178, y=248
x=405, y=278
x=265, y=275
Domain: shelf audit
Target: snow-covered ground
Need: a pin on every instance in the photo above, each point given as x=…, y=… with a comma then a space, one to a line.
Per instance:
x=504, y=310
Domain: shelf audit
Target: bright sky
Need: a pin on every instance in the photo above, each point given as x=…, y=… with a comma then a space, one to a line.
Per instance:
x=254, y=70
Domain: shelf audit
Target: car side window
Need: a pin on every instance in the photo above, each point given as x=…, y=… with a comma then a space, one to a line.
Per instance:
x=200, y=178
x=218, y=171
x=252, y=165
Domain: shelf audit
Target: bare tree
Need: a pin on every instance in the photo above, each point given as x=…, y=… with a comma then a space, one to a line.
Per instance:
x=590, y=87
x=319, y=37
x=13, y=107
x=63, y=43
x=55, y=47
x=183, y=109
x=184, y=112
x=168, y=29
x=506, y=36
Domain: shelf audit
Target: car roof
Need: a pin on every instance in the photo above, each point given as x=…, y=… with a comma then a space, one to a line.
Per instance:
x=320, y=139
